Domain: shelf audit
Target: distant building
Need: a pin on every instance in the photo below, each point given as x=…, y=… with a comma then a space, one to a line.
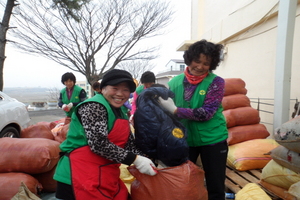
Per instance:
x=86, y=86
x=172, y=68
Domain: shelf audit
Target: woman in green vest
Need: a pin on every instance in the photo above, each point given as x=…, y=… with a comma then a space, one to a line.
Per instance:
x=71, y=95
x=198, y=103
x=98, y=141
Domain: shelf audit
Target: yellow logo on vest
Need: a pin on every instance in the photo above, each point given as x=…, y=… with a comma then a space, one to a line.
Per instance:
x=177, y=132
x=202, y=92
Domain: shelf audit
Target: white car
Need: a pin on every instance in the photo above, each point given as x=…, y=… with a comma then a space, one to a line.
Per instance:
x=13, y=116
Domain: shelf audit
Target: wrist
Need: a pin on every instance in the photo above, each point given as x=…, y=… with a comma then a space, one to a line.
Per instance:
x=175, y=111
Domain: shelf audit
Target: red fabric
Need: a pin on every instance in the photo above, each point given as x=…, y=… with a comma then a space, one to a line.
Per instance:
x=194, y=80
x=95, y=177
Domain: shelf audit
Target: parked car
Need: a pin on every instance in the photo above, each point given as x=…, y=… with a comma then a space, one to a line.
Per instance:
x=13, y=116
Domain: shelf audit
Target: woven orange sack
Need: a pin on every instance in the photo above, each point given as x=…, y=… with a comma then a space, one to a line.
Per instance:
x=251, y=154
x=235, y=101
x=10, y=183
x=184, y=182
x=39, y=130
x=280, y=192
x=234, y=86
x=47, y=181
x=244, y=133
x=28, y=155
x=241, y=116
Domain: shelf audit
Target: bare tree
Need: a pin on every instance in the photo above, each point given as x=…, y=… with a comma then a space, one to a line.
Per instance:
x=106, y=35
x=136, y=67
x=68, y=7
x=53, y=94
x=3, y=30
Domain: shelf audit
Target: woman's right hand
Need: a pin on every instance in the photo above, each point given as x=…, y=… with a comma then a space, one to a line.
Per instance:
x=65, y=108
x=168, y=104
x=144, y=165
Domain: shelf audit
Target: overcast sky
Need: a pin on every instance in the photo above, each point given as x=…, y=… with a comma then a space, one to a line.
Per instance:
x=24, y=70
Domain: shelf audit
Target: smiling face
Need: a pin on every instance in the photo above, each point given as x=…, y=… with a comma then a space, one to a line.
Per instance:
x=116, y=95
x=69, y=83
x=200, y=66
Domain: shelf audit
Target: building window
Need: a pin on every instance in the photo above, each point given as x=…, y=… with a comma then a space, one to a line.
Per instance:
x=182, y=67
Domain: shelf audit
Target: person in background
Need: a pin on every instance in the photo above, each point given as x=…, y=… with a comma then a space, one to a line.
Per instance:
x=198, y=103
x=71, y=95
x=98, y=141
x=127, y=104
x=96, y=87
x=147, y=79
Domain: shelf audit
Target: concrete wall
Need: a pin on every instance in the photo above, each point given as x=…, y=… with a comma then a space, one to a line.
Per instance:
x=248, y=30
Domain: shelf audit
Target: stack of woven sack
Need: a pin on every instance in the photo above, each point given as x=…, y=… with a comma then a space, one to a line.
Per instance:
x=282, y=174
x=247, y=140
x=30, y=161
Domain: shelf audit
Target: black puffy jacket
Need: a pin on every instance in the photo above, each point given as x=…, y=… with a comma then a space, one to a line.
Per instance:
x=158, y=133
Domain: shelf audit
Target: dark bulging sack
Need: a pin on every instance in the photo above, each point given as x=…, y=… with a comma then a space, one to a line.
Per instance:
x=158, y=133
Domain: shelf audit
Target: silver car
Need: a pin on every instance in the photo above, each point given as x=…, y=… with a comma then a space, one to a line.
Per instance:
x=13, y=116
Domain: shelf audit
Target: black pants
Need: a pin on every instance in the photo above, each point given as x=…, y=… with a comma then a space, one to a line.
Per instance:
x=64, y=191
x=213, y=158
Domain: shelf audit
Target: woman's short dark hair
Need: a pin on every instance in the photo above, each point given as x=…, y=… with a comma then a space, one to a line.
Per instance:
x=209, y=49
x=96, y=85
x=148, y=77
x=67, y=76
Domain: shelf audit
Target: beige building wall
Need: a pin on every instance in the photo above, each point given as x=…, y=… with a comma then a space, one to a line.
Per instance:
x=248, y=30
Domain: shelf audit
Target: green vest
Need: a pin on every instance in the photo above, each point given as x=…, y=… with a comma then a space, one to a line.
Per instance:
x=74, y=98
x=139, y=89
x=200, y=133
x=76, y=138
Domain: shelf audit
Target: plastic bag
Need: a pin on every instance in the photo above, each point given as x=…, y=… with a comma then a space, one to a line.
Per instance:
x=25, y=194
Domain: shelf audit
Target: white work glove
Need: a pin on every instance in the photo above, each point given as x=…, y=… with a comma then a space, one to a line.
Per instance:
x=65, y=108
x=70, y=105
x=168, y=104
x=144, y=165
